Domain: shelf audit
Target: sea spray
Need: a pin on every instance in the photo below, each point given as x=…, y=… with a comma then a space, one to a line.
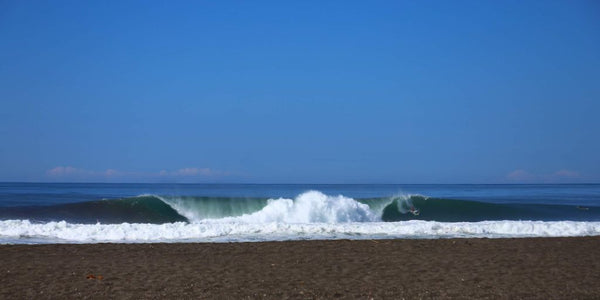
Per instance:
x=311, y=207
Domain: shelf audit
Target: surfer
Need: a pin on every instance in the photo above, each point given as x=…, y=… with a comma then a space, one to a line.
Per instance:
x=413, y=210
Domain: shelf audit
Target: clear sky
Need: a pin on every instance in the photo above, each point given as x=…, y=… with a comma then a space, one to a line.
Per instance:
x=300, y=91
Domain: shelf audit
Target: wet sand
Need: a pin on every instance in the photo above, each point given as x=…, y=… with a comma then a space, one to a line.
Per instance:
x=541, y=268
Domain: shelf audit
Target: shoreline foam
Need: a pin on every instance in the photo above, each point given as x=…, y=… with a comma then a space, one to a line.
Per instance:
x=26, y=232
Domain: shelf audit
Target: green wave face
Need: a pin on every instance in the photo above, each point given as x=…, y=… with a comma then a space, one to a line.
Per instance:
x=202, y=208
x=141, y=209
x=159, y=210
x=449, y=210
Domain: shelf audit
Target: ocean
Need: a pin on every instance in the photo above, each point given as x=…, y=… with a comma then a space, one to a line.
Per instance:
x=34, y=213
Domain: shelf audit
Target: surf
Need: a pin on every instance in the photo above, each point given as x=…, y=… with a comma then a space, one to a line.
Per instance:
x=306, y=208
x=317, y=207
x=24, y=231
x=309, y=215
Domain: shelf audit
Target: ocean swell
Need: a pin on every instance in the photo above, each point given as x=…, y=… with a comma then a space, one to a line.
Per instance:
x=306, y=208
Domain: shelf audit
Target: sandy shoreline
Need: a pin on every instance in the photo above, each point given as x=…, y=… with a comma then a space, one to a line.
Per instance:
x=540, y=268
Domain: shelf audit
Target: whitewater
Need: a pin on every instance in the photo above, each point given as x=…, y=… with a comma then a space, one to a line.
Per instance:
x=311, y=215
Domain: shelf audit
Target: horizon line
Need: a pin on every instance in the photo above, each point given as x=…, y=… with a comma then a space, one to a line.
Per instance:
x=297, y=183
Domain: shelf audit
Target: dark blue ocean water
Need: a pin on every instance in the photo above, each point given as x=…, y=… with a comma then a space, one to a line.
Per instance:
x=82, y=212
x=556, y=201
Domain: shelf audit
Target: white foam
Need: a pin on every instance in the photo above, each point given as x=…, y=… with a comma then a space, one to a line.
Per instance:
x=23, y=231
x=308, y=207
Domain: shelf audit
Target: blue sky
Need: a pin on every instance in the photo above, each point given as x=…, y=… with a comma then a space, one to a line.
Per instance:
x=300, y=91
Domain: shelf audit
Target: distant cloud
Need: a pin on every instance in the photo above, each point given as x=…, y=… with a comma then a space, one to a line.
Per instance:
x=61, y=173
x=566, y=174
x=69, y=171
x=521, y=175
x=111, y=172
x=190, y=172
x=66, y=171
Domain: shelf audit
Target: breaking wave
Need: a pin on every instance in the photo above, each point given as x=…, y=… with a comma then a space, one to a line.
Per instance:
x=310, y=215
x=308, y=207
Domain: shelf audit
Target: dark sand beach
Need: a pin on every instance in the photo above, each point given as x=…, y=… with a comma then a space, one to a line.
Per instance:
x=541, y=268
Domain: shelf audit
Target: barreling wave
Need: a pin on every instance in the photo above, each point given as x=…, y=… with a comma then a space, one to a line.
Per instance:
x=306, y=208
x=310, y=215
x=316, y=207
x=404, y=208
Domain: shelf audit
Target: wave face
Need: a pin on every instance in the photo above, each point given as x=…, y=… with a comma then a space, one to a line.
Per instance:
x=308, y=207
x=450, y=210
x=141, y=209
x=316, y=207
